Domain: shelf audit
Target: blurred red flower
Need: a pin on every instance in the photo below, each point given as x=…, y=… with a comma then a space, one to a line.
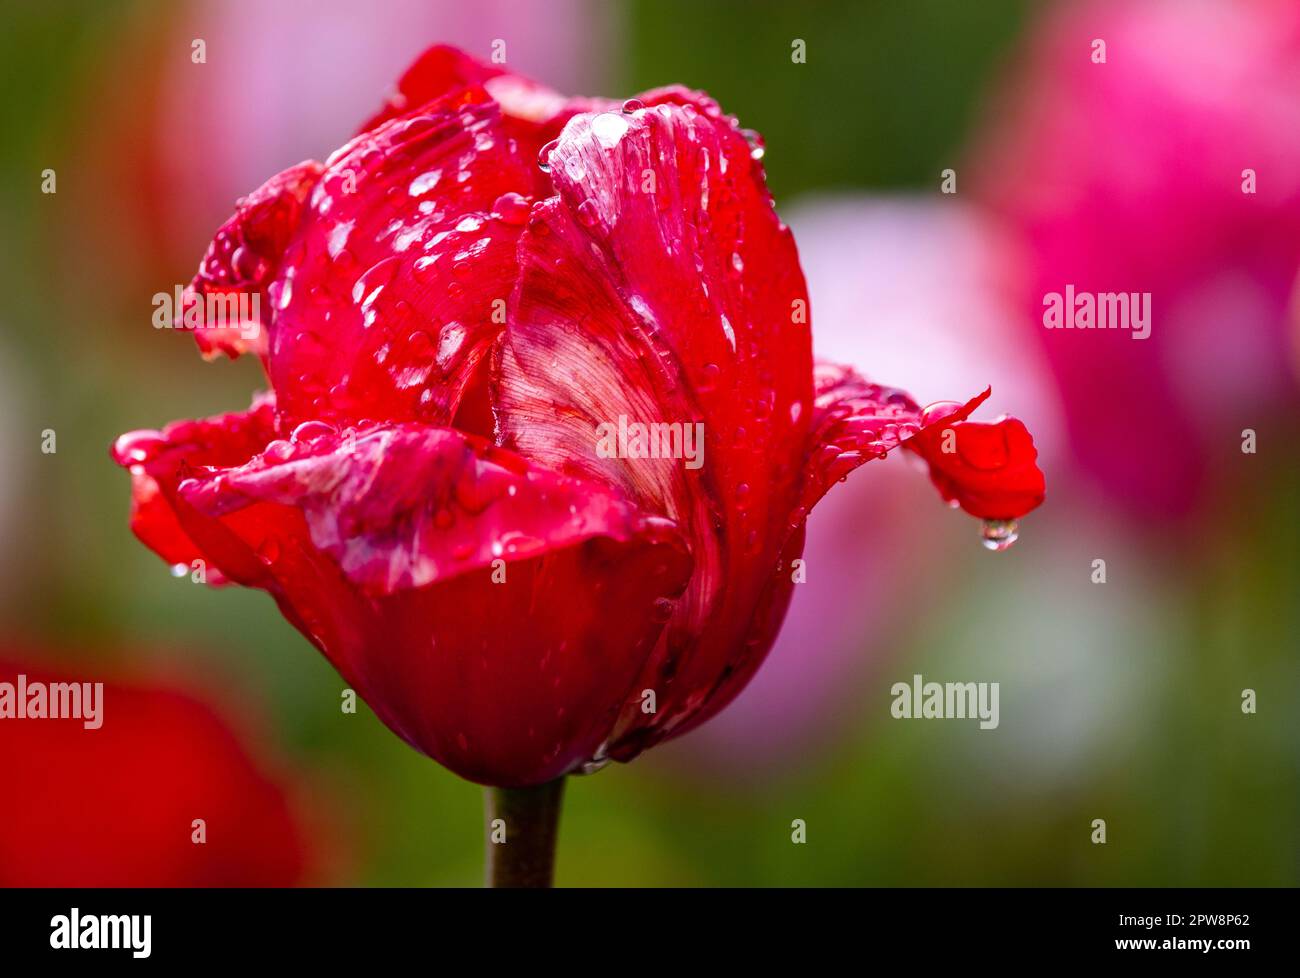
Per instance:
x=452, y=308
x=116, y=805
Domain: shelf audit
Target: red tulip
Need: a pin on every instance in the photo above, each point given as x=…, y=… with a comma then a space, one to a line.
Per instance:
x=454, y=328
x=110, y=796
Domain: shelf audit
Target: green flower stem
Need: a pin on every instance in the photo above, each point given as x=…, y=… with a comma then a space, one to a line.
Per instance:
x=530, y=820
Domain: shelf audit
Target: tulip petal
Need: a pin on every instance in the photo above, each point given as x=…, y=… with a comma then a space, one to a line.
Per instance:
x=532, y=113
x=405, y=506
x=494, y=614
x=660, y=287
x=396, y=285
x=242, y=261
x=227, y=439
x=988, y=468
x=991, y=471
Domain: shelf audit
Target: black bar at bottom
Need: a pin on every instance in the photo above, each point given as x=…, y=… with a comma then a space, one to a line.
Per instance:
x=370, y=927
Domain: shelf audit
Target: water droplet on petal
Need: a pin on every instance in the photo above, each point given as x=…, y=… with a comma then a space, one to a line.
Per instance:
x=311, y=431
x=598, y=760
x=587, y=213
x=998, y=535
x=633, y=105
x=729, y=333
x=420, y=344
x=609, y=128
x=450, y=341
x=285, y=295
x=136, y=447
x=511, y=208
x=278, y=451
x=709, y=377
x=937, y=411
x=544, y=156
x=424, y=183
x=248, y=265
x=662, y=610
x=757, y=148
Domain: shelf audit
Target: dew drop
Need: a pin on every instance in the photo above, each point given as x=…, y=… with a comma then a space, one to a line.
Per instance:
x=544, y=156
x=709, y=377
x=757, y=148
x=933, y=413
x=998, y=535
x=420, y=344
x=609, y=128
x=424, y=183
x=450, y=341
x=278, y=451
x=587, y=213
x=729, y=333
x=247, y=265
x=311, y=431
x=137, y=447
x=633, y=105
x=511, y=208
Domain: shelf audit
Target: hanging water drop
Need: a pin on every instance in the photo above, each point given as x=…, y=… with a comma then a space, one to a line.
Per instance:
x=999, y=535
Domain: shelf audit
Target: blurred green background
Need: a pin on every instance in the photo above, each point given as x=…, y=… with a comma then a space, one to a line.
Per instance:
x=1119, y=702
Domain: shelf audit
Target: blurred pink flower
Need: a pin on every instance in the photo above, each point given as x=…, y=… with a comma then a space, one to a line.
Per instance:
x=286, y=81
x=922, y=282
x=180, y=141
x=1128, y=176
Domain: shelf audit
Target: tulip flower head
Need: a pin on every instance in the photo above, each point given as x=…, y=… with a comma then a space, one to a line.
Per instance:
x=543, y=424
